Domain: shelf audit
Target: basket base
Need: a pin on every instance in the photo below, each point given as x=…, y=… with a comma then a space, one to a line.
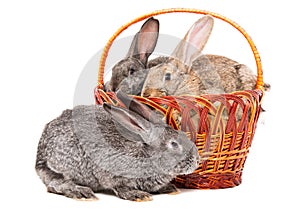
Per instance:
x=209, y=181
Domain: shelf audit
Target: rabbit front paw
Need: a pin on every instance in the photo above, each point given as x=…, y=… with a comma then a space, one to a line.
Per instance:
x=169, y=189
x=133, y=195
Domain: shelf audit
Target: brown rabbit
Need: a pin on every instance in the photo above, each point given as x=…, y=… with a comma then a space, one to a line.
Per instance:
x=188, y=72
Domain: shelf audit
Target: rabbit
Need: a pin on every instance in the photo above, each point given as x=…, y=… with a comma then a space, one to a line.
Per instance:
x=130, y=73
x=128, y=151
x=188, y=72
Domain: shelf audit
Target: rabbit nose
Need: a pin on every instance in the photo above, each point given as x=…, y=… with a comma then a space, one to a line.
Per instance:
x=146, y=93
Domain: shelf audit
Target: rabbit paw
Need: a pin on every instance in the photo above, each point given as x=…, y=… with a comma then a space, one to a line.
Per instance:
x=72, y=190
x=133, y=195
x=169, y=189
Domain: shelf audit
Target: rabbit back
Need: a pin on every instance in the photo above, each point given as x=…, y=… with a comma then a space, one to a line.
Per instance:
x=214, y=68
x=234, y=75
x=61, y=147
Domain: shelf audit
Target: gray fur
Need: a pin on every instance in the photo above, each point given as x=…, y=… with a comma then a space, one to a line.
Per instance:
x=130, y=73
x=94, y=148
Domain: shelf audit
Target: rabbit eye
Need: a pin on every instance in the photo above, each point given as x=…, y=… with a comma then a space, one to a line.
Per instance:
x=168, y=76
x=174, y=145
x=131, y=71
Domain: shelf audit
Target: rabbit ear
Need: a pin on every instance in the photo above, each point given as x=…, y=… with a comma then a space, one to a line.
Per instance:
x=132, y=50
x=194, y=41
x=139, y=108
x=127, y=120
x=145, y=41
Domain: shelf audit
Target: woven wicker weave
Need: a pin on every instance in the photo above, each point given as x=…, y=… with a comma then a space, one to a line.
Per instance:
x=223, y=142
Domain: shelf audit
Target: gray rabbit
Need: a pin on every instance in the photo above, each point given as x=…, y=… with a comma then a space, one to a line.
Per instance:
x=130, y=73
x=130, y=152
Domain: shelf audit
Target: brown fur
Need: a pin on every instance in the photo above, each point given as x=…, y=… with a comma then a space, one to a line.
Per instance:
x=188, y=72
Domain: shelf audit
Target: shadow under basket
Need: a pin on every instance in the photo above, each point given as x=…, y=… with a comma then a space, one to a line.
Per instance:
x=222, y=125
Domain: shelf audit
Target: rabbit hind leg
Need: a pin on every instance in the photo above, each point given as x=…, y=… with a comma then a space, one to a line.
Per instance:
x=56, y=183
x=71, y=190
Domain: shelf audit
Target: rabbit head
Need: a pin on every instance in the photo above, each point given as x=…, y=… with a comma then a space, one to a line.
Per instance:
x=175, y=76
x=129, y=74
x=171, y=151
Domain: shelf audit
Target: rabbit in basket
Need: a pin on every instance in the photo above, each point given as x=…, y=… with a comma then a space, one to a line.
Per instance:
x=132, y=153
x=188, y=72
x=130, y=73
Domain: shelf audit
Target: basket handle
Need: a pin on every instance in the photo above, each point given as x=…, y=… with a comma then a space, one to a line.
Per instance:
x=259, y=81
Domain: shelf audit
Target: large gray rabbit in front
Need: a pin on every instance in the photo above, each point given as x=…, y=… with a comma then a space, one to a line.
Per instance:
x=129, y=152
x=130, y=73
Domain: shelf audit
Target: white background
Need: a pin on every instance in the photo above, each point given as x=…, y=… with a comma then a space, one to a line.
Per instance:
x=44, y=47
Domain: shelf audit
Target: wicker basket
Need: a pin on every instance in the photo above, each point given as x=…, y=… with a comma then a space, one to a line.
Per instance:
x=223, y=143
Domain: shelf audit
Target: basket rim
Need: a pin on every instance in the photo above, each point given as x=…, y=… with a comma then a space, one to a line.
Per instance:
x=259, y=81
